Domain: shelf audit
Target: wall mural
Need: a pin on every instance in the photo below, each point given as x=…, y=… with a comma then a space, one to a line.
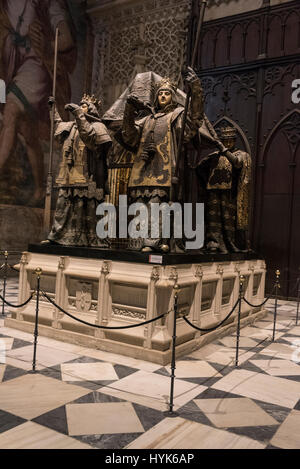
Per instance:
x=27, y=32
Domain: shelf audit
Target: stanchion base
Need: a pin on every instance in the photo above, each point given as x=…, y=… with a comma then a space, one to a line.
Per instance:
x=32, y=372
x=170, y=414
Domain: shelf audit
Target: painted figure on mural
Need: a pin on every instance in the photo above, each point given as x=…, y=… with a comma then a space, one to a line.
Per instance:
x=227, y=178
x=82, y=176
x=27, y=29
x=154, y=140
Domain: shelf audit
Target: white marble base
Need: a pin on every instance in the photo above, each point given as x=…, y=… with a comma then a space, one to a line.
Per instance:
x=116, y=293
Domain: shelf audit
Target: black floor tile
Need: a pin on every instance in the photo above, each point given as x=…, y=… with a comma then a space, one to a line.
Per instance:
x=92, y=385
x=251, y=367
x=85, y=360
x=52, y=372
x=11, y=373
x=216, y=394
x=18, y=343
x=123, y=371
x=163, y=372
x=277, y=412
x=148, y=417
x=118, y=441
x=261, y=433
x=9, y=421
x=297, y=406
x=192, y=412
x=203, y=381
x=55, y=419
x=96, y=397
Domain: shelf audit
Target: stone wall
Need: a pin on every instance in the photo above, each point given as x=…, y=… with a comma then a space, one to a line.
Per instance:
x=134, y=36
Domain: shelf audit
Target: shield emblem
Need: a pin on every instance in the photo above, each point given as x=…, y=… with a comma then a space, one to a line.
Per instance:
x=84, y=297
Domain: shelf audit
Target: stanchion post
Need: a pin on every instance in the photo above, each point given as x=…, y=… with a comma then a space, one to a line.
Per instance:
x=4, y=280
x=242, y=281
x=298, y=301
x=38, y=281
x=277, y=287
x=170, y=412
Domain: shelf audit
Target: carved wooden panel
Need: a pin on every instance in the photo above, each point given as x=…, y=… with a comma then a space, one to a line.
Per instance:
x=238, y=39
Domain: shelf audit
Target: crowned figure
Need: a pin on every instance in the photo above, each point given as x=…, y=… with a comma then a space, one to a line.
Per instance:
x=82, y=175
x=153, y=141
x=227, y=176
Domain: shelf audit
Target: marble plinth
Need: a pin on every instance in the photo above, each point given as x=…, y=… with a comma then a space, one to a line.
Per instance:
x=118, y=289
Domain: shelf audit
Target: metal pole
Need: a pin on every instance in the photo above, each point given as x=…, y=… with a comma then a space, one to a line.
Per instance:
x=242, y=281
x=199, y=31
x=4, y=280
x=47, y=211
x=38, y=273
x=277, y=286
x=170, y=412
x=188, y=97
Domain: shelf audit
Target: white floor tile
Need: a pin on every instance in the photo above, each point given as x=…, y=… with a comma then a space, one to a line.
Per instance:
x=88, y=372
x=182, y=434
x=30, y=435
x=278, y=391
x=108, y=418
x=288, y=435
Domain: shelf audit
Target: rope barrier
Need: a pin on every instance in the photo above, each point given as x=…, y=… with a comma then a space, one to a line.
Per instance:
x=98, y=326
x=256, y=306
x=215, y=327
x=17, y=306
x=270, y=297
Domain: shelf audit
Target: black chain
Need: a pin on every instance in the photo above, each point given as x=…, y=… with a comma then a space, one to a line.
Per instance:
x=215, y=327
x=262, y=304
x=17, y=306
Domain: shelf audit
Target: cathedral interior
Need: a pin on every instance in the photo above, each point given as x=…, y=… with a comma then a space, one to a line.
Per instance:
x=113, y=339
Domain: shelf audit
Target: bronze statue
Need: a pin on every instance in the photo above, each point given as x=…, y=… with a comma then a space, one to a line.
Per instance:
x=154, y=141
x=82, y=176
x=227, y=175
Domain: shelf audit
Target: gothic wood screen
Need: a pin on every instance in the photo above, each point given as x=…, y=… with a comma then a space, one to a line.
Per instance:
x=248, y=63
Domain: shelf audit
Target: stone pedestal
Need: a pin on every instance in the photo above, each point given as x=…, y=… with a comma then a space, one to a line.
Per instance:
x=123, y=288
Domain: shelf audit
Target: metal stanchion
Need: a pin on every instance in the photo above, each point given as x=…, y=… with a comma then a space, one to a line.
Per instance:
x=298, y=301
x=38, y=281
x=242, y=281
x=170, y=412
x=277, y=287
x=4, y=280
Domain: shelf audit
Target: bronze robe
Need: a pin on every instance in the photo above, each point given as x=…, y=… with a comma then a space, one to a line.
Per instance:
x=151, y=178
x=228, y=200
x=82, y=178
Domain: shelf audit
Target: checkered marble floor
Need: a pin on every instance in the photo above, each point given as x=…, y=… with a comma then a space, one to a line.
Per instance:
x=83, y=398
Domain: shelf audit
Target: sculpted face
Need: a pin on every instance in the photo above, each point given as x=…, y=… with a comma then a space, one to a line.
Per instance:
x=229, y=142
x=85, y=108
x=164, y=98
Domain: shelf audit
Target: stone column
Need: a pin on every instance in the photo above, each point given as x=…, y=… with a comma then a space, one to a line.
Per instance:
x=103, y=299
x=219, y=291
x=197, y=299
x=24, y=289
x=60, y=292
x=251, y=269
x=151, y=306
